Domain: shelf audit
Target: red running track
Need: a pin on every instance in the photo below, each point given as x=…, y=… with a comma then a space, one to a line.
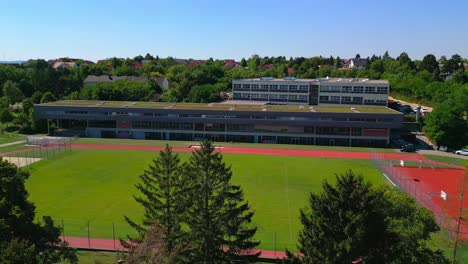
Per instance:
x=425, y=184
x=110, y=244
x=268, y=151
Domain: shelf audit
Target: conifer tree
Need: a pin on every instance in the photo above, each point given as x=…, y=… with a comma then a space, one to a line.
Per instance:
x=219, y=219
x=162, y=192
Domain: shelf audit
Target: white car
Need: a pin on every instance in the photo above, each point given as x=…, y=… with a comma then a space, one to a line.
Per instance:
x=463, y=152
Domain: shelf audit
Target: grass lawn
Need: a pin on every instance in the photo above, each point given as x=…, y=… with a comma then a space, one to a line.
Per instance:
x=97, y=257
x=139, y=142
x=7, y=138
x=97, y=186
x=449, y=160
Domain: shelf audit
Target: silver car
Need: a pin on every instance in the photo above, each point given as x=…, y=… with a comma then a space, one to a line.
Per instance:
x=463, y=152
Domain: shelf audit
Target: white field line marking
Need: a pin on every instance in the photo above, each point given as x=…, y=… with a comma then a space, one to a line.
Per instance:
x=386, y=177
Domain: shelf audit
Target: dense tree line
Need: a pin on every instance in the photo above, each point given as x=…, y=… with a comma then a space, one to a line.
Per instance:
x=431, y=80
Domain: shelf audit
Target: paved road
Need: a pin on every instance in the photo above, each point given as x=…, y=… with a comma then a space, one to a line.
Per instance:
x=441, y=153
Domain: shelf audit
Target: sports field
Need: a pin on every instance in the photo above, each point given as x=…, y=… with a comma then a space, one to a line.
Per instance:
x=97, y=185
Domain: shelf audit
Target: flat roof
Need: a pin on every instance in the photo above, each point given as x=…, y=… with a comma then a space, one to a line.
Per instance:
x=226, y=107
x=318, y=80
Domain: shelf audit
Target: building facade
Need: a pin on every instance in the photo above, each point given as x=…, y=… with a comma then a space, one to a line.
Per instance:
x=288, y=124
x=323, y=91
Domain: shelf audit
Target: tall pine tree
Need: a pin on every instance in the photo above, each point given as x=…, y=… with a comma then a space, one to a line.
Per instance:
x=162, y=199
x=219, y=219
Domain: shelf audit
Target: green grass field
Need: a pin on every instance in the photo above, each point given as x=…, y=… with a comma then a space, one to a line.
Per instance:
x=8, y=138
x=97, y=186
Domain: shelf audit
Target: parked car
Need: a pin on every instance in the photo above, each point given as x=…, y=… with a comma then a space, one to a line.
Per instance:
x=408, y=148
x=463, y=152
x=406, y=109
x=443, y=148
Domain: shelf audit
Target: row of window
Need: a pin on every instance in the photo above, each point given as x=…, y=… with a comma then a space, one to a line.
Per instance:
x=240, y=116
x=353, y=89
x=338, y=131
x=279, y=97
x=342, y=99
x=271, y=87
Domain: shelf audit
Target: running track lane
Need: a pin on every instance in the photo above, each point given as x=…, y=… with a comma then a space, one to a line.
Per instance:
x=110, y=244
x=268, y=151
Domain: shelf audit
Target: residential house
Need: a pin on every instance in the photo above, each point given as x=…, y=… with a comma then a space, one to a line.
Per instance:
x=357, y=64
x=266, y=67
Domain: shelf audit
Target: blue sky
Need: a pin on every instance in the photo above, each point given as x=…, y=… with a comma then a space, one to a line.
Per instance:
x=231, y=28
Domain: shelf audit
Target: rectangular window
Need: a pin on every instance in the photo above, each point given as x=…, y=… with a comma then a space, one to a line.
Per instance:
x=346, y=99
x=303, y=97
x=274, y=96
x=358, y=89
x=246, y=86
x=255, y=86
x=303, y=87
x=346, y=89
x=255, y=96
x=357, y=99
x=335, y=98
x=292, y=97
x=264, y=96
x=265, y=86
x=274, y=87
x=370, y=89
x=283, y=96
x=283, y=87
x=237, y=86
x=323, y=98
x=292, y=87
x=382, y=89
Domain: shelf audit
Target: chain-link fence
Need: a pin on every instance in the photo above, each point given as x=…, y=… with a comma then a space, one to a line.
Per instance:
x=101, y=234
x=37, y=149
x=435, y=185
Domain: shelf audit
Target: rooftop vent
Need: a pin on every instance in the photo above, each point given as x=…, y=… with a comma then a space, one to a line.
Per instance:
x=290, y=78
x=266, y=78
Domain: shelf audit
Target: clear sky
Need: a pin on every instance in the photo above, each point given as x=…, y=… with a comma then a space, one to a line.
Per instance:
x=96, y=29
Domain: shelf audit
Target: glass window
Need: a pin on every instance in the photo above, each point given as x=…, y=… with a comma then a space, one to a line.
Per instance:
x=274, y=87
x=370, y=89
x=255, y=86
x=358, y=89
x=346, y=99
x=303, y=87
x=382, y=89
x=292, y=87
x=264, y=86
x=237, y=85
x=246, y=86
x=357, y=99
x=346, y=89
x=323, y=98
x=292, y=97
x=335, y=98
x=283, y=87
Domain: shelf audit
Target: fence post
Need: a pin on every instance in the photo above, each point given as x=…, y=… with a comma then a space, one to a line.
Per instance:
x=63, y=231
x=275, y=244
x=113, y=233
x=89, y=240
